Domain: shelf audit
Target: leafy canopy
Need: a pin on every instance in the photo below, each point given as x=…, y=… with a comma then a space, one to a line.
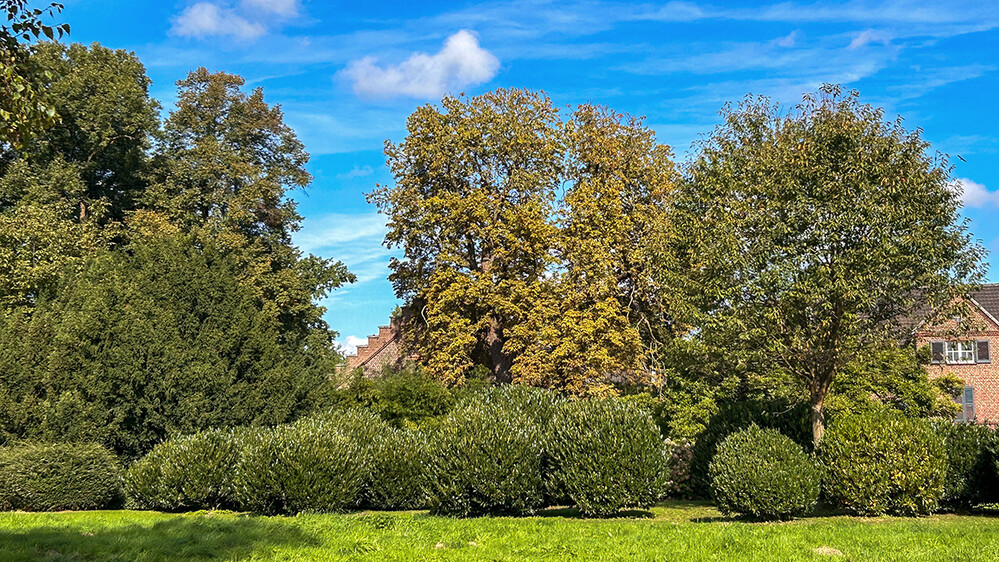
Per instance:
x=522, y=238
x=814, y=233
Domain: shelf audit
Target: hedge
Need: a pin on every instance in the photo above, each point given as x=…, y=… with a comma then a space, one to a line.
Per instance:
x=58, y=476
x=883, y=462
x=608, y=455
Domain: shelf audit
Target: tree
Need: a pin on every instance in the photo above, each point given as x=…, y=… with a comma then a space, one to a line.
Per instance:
x=813, y=233
x=522, y=239
x=24, y=109
x=600, y=309
x=64, y=193
x=141, y=345
x=224, y=170
x=107, y=124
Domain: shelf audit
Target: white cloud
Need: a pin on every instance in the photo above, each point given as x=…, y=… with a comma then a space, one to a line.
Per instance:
x=461, y=62
x=357, y=172
x=349, y=344
x=869, y=36
x=205, y=19
x=249, y=19
x=283, y=8
x=974, y=194
x=788, y=40
x=338, y=230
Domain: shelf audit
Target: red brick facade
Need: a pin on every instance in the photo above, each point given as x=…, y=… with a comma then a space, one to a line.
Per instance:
x=981, y=375
x=384, y=348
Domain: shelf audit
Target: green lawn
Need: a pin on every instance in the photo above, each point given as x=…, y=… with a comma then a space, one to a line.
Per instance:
x=674, y=531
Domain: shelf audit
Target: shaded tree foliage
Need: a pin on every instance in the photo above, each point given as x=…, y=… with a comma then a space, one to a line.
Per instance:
x=157, y=341
x=24, y=109
x=224, y=170
x=148, y=282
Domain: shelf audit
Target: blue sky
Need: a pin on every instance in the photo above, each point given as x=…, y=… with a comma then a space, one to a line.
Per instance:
x=347, y=74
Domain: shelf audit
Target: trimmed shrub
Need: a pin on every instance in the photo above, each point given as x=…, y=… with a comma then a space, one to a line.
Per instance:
x=794, y=421
x=971, y=470
x=538, y=404
x=312, y=465
x=882, y=462
x=186, y=473
x=763, y=474
x=608, y=455
x=485, y=458
x=397, y=477
x=58, y=476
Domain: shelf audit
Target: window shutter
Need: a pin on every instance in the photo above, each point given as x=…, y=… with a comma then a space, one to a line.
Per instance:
x=983, y=351
x=937, y=352
x=969, y=404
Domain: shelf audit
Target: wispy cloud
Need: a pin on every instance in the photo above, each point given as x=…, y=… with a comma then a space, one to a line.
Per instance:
x=461, y=62
x=283, y=8
x=338, y=230
x=868, y=36
x=205, y=19
x=357, y=172
x=248, y=20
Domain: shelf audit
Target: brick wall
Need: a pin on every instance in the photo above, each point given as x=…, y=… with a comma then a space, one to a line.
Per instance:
x=384, y=348
x=983, y=377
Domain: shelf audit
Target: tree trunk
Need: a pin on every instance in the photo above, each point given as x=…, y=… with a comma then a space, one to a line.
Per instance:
x=818, y=389
x=818, y=420
x=500, y=361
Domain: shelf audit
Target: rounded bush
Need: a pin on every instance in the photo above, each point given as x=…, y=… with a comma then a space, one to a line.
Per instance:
x=485, y=458
x=763, y=474
x=312, y=465
x=882, y=462
x=608, y=455
x=971, y=470
x=397, y=476
x=794, y=421
x=58, y=476
x=186, y=473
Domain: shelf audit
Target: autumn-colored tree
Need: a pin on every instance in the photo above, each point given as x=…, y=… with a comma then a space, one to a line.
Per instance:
x=522, y=238
x=600, y=309
x=811, y=233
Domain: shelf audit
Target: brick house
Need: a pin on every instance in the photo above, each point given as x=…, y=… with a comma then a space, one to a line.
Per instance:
x=383, y=349
x=970, y=356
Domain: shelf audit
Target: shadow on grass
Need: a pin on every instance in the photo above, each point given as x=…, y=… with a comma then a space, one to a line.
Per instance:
x=182, y=538
x=575, y=513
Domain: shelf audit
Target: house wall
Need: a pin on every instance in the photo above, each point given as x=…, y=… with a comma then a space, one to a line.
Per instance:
x=983, y=377
x=384, y=348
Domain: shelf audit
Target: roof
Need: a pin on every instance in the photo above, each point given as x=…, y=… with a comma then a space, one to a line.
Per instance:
x=987, y=298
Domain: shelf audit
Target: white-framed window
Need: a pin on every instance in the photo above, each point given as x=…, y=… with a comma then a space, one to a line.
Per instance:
x=960, y=352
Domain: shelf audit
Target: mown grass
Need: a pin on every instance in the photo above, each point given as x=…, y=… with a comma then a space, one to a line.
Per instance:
x=674, y=531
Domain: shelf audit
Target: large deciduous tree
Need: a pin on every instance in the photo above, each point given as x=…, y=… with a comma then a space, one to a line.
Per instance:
x=815, y=233
x=64, y=191
x=225, y=167
x=24, y=109
x=523, y=239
